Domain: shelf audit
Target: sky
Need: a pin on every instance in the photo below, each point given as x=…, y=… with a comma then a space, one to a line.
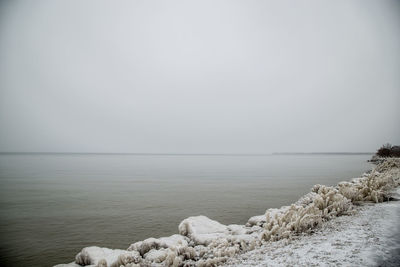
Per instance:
x=199, y=76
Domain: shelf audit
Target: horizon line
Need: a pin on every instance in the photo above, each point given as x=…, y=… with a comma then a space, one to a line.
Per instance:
x=192, y=154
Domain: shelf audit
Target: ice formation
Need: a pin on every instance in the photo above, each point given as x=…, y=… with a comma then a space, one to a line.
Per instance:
x=205, y=242
x=321, y=204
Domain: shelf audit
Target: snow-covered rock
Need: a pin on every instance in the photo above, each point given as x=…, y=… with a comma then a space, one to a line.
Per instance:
x=128, y=257
x=202, y=230
x=256, y=220
x=173, y=242
x=72, y=264
x=236, y=229
x=101, y=256
x=156, y=256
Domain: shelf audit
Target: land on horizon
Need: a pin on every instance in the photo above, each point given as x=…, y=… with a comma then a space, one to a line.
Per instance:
x=194, y=154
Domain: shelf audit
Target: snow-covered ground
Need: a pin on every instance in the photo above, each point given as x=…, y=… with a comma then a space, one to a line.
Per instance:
x=370, y=237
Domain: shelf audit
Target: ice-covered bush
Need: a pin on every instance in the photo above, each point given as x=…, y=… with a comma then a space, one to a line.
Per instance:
x=387, y=150
x=374, y=186
x=325, y=202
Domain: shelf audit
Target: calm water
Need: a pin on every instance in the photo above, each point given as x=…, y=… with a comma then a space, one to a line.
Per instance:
x=51, y=206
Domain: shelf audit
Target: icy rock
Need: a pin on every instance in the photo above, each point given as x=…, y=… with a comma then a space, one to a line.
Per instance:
x=200, y=250
x=156, y=256
x=102, y=263
x=256, y=220
x=129, y=257
x=170, y=251
x=246, y=242
x=72, y=264
x=211, y=262
x=95, y=255
x=172, y=242
x=202, y=230
x=145, y=246
x=236, y=229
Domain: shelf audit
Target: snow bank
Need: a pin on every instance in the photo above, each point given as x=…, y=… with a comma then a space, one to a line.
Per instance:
x=205, y=242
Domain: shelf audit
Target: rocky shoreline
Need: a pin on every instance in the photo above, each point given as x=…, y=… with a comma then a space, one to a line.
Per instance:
x=205, y=242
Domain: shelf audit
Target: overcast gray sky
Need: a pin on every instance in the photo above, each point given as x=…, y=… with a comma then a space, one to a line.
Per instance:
x=199, y=76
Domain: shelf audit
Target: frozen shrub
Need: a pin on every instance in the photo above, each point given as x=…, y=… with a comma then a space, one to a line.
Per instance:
x=384, y=151
x=387, y=150
x=323, y=203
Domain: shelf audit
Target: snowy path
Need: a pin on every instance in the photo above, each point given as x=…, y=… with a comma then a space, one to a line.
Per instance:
x=371, y=237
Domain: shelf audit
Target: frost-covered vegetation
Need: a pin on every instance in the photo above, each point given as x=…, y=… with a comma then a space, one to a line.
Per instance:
x=387, y=150
x=205, y=242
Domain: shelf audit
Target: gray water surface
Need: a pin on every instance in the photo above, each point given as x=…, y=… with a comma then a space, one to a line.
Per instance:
x=53, y=205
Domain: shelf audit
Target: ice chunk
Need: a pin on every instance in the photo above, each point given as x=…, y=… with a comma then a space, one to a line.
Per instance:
x=72, y=264
x=256, y=220
x=173, y=242
x=236, y=229
x=95, y=255
x=129, y=257
x=202, y=230
x=145, y=246
x=156, y=256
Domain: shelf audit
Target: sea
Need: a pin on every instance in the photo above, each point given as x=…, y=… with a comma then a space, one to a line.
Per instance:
x=53, y=205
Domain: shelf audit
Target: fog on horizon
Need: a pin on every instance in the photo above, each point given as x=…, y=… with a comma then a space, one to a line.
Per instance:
x=199, y=76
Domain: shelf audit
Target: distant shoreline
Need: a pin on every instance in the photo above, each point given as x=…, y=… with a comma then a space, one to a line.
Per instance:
x=323, y=153
x=188, y=154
